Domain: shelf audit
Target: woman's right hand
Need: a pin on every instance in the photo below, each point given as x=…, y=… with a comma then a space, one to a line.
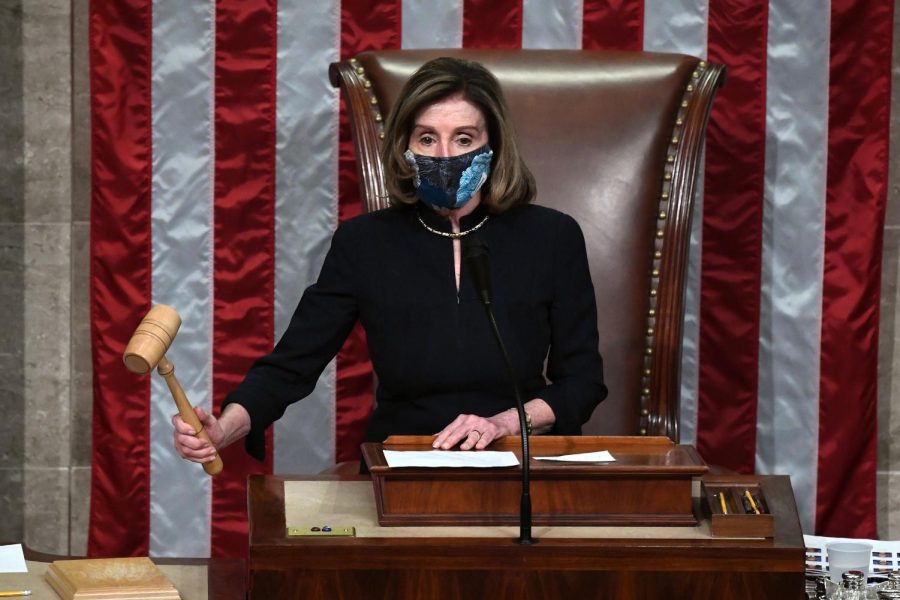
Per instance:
x=191, y=447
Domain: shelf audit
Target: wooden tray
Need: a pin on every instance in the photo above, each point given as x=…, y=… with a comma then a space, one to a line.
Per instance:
x=739, y=519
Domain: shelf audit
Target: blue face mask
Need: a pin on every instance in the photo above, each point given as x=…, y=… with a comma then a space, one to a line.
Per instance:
x=450, y=181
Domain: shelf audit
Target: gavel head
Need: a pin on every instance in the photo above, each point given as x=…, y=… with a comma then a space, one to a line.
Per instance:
x=151, y=339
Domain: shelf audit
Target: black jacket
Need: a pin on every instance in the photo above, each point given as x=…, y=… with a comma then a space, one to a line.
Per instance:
x=432, y=346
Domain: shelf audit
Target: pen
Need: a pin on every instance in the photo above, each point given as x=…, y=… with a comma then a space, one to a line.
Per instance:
x=722, y=502
x=15, y=593
x=749, y=497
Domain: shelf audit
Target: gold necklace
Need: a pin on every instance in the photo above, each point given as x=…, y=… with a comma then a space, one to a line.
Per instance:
x=451, y=235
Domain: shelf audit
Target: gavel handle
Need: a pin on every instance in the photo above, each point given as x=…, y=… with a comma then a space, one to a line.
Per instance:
x=167, y=370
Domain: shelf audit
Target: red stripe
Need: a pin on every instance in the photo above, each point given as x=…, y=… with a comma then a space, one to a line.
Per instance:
x=732, y=238
x=613, y=25
x=492, y=24
x=244, y=254
x=858, y=128
x=364, y=26
x=120, y=48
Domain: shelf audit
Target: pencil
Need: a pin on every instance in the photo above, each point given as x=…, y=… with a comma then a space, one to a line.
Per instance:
x=722, y=502
x=749, y=497
x=15, y=593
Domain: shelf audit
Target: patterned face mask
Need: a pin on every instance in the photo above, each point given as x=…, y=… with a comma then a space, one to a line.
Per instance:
x=450, y=181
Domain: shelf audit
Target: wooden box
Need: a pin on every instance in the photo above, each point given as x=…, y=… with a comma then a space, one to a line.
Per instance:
x=648, y=484
x=740, y=518
x=110, y=578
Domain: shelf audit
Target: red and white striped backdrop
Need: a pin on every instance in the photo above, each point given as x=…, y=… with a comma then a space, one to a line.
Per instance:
x=221, y=167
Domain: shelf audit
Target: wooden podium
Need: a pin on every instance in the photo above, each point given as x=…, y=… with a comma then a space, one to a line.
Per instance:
x=447, y=561
x=649, y=483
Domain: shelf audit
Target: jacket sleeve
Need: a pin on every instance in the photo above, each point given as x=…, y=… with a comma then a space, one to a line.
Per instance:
x=574, y=366
x=321, y=322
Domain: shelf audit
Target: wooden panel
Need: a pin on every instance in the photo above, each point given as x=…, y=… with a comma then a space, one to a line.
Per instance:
x=432, y=567
x=521, y=584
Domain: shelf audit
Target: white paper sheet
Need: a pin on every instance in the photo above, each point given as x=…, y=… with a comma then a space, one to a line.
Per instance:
x=449, y=458
x=12, y=560
x=602, y=456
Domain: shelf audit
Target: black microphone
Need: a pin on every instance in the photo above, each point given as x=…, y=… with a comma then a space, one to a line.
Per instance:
x=475, y=253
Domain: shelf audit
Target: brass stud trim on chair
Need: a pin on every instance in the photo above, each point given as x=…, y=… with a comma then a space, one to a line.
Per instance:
x=373, y=101
x=368, y=127
x=662, y=223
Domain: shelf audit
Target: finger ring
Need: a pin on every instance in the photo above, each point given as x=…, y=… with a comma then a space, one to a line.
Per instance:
x=476, y=431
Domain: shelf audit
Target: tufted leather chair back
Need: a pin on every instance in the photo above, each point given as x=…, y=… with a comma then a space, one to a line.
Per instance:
x=615, y=140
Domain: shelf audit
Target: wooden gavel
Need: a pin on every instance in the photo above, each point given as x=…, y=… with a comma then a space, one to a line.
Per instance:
x=146, y=351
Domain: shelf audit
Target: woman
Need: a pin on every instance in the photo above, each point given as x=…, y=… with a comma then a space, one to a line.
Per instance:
x=452, y=169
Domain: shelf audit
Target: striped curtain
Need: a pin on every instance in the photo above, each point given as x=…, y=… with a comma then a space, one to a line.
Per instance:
x=221, y=164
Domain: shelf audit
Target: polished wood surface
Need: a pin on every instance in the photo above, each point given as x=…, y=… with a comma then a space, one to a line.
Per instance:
x=613, y=566
x=649, y=483
x=195, y=578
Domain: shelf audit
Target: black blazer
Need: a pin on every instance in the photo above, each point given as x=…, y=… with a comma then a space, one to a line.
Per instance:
x=432, y=345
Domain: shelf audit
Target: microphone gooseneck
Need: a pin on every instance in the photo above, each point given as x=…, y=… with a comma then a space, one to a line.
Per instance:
x=475, y=254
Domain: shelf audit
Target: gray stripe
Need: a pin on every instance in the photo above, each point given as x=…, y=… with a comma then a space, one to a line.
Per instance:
x=12, y=274
x=676, y=26
x=305, y=206
x=552, y=24
x=681, y=26
x=182, y=92
x=793, y=246
x=431, y=24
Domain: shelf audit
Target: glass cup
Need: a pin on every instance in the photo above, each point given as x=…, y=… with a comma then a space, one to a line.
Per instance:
x=848, y=556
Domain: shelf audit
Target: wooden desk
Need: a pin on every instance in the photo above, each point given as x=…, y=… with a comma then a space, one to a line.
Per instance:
x=486, y=562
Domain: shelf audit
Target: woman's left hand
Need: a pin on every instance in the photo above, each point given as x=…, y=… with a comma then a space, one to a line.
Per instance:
x=476, y=432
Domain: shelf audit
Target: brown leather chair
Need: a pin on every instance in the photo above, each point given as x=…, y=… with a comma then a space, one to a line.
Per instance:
x=613, y=139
